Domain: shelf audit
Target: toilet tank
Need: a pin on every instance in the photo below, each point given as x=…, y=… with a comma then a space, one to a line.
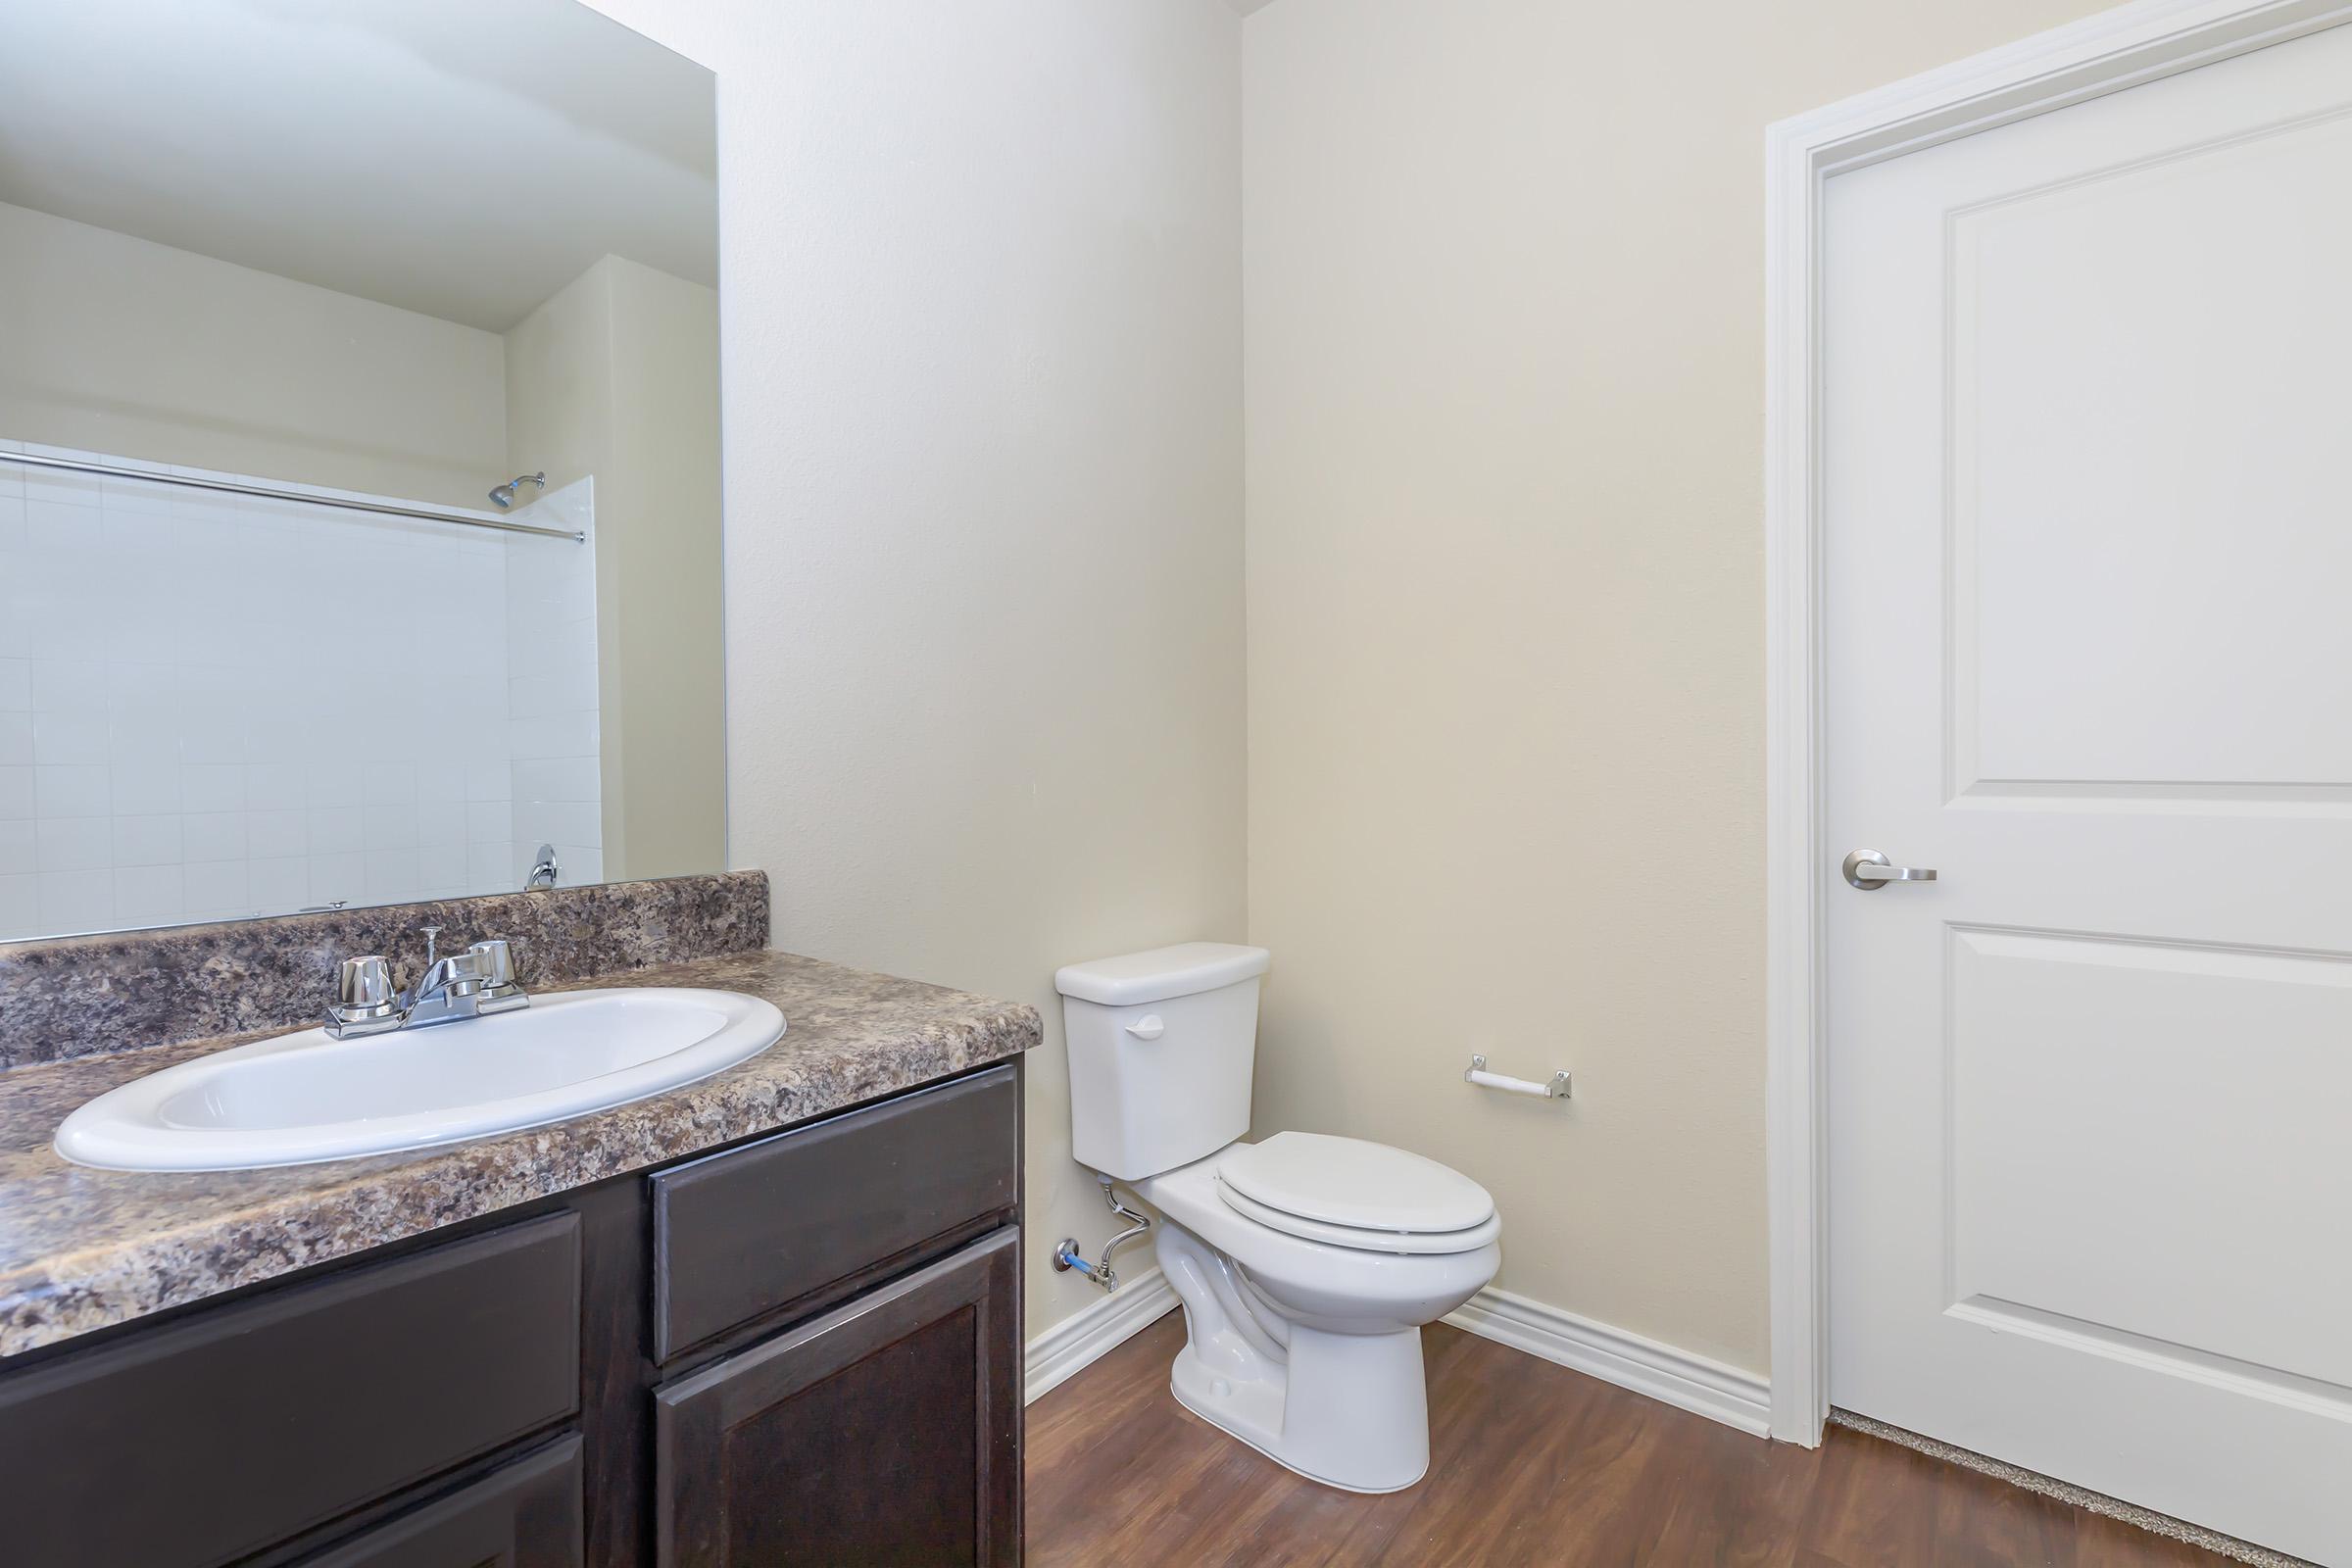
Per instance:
x=1162, y=1049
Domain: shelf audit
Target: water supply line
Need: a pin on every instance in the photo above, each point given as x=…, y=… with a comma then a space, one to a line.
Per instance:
x=1066, y=1256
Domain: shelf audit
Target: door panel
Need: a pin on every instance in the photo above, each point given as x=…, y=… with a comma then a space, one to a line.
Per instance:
x=2086, y=1084
x=2087, y=482
x=885, y=1433
x=2149, y=471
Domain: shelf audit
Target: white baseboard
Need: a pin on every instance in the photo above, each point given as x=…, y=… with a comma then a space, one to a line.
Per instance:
x=1678, y=1378
x=1687, y=1382
x=1093, y=1331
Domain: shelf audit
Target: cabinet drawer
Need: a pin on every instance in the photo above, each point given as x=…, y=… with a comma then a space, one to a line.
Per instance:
x=194, y=1443
x=526, y=1515
x=774, y=1224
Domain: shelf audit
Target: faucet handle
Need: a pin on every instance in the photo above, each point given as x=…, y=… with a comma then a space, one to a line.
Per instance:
x=493, y=965
x=363, y=1001
x=493, y=962
x=364, y=983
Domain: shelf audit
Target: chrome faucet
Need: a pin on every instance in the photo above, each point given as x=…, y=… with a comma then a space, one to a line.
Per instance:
x=544, y=869
x=473, y=984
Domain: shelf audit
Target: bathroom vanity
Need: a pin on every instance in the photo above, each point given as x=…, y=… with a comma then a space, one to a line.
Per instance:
x=772, y=1317
x=805, y=1348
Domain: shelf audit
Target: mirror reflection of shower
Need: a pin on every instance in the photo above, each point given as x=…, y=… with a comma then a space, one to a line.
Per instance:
x=503, y=496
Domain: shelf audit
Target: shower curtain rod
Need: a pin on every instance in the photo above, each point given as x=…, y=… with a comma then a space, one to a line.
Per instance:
x=75, y=465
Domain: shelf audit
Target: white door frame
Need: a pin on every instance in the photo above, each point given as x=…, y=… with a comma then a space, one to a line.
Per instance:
x=2101, y=54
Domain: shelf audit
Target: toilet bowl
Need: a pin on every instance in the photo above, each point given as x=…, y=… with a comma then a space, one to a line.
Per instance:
x=1309, y=1351
x=1307, y=1263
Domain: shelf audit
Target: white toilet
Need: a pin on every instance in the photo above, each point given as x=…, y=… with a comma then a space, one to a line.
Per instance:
x=1307, y=1263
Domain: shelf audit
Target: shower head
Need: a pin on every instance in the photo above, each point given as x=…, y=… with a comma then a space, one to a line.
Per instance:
x=503, y=496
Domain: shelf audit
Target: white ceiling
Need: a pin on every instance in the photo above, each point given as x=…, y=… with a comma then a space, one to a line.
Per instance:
x=1246, y=7
x=462, y=157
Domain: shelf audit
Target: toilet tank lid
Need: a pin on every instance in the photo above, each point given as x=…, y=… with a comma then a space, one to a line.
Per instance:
x=1183, y=970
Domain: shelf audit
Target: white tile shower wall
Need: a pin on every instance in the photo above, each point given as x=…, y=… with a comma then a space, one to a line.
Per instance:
x=553, y=724
x=214, y=706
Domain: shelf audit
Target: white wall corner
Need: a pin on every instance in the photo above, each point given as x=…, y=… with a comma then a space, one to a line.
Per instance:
x=1674, y=1377
x=1093, y=1332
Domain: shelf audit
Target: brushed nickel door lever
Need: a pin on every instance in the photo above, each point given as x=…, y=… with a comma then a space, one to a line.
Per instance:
x=1868, y=869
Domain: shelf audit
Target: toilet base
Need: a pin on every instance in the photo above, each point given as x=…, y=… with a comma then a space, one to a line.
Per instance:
x=1347, y=1411
x=1252, y=1414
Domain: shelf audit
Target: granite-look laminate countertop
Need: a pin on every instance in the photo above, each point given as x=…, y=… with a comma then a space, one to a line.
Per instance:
x=81, y=1248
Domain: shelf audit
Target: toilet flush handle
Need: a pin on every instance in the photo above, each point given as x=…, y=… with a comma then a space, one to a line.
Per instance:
x=1147, y=1027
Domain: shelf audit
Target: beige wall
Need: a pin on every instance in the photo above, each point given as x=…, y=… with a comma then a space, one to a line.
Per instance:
x=984, y=514
x=1504, y=368
x=120, y=345
x=617, y=375
x=1504, y=354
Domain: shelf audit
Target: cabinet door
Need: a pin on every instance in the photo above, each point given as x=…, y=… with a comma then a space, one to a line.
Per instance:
x=886, y=1432
x=526, y=1515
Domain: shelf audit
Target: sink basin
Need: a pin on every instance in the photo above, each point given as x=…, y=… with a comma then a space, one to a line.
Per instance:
x=308, y=1097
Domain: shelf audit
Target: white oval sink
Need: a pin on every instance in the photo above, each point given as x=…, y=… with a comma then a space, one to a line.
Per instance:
x=308, y=1097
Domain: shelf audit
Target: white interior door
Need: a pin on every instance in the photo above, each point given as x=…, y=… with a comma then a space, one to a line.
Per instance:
x=2088, y=617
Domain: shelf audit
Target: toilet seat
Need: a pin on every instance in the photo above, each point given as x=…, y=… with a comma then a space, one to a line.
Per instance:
x=1347, y=1191
x=1407, y=1243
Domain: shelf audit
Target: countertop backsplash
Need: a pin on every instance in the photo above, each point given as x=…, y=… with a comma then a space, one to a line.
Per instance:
x=68, y=997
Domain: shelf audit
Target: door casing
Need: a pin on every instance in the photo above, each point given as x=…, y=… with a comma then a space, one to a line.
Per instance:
x=2101, y=54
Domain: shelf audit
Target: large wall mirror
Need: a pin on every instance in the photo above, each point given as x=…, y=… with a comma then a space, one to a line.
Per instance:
x=359, y=457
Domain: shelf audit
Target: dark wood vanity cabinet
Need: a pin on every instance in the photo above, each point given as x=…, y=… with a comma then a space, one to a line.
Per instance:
x=799, y=1349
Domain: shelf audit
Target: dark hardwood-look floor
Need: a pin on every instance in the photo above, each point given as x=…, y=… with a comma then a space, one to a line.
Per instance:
x=1531, y=1464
